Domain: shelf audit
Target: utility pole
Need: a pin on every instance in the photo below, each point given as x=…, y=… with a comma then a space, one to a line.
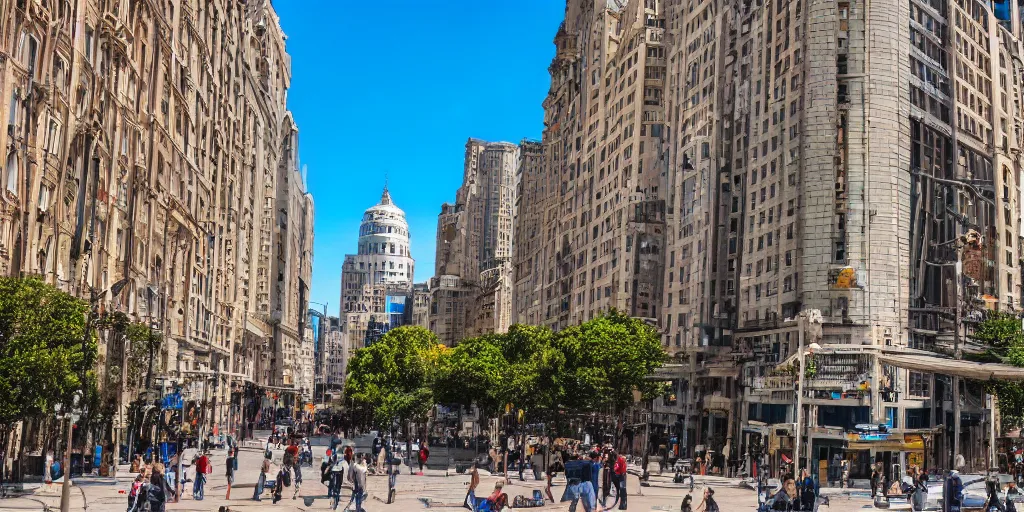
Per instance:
x=802, y=322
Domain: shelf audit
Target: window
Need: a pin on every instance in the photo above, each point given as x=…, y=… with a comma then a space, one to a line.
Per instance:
x=12, y=173
x=918, y=385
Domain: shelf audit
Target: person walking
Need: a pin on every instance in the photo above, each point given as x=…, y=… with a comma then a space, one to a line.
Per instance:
x=159, y=490
x=337, y=474
x=807, y=494
x=135, y=492
x=291, y=457
x=424, y=455
x=203, y=467
x=357, y=477
x=474, y=481
x=230, y=465
x=876, y=478
x=708, y=504
x=920, y=497
x=619, y=478
x=262, y=480
x=378, y=445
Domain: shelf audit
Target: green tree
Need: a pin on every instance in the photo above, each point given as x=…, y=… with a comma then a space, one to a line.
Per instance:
x=1003, y=339
x=42, y=357
x=529, y=380
x=394, y=376
x=470, y=373
x=605, y=360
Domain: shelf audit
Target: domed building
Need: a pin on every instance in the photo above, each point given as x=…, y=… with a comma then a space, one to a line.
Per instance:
x=376, y=283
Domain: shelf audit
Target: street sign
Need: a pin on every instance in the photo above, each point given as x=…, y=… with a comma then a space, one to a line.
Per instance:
x=172, y=401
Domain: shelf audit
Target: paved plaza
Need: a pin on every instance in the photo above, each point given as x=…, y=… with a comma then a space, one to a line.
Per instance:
x=433, y=490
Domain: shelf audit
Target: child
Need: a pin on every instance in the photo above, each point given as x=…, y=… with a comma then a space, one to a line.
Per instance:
x=133, y=495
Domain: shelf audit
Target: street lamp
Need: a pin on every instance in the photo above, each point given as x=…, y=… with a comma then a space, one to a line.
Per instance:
x=72, y=416
x=805, y=317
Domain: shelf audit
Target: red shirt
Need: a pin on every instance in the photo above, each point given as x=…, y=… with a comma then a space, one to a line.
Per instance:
x=203, y=465
x=292, y=450
x=620, y=466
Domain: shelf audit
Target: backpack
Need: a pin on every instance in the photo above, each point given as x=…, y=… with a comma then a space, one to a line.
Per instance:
x=574, y=471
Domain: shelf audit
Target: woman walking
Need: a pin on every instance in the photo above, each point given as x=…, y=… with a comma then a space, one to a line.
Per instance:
x=159, y=489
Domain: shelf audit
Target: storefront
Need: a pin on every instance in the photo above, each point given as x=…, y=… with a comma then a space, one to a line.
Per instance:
x=897, y=453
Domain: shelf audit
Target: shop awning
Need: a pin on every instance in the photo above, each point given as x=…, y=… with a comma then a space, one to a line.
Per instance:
x=947, y=366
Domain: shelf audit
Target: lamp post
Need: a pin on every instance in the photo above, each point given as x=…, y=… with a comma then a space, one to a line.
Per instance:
x=800, y=390
x=71, y=416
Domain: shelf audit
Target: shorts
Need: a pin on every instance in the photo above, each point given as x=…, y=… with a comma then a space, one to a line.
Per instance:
x=231, y=479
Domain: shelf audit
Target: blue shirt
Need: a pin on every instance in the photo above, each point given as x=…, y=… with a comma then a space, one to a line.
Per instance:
x=595, y=474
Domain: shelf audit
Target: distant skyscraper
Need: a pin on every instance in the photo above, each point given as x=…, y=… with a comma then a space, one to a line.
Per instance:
x=471, y=292
x=376, y=283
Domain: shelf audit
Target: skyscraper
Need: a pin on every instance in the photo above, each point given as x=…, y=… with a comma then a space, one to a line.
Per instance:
x=471, y=292
x=600, y=194
x=725, y=169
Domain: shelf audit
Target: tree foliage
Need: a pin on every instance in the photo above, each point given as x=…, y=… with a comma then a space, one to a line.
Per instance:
x=591, y=367
x=1003, y=339
x=42, y=357
x=494, y=370
x=605, y=360
x=395, y=375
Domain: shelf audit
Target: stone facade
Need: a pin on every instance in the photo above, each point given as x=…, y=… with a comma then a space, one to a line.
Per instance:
x=532, y=188
x=471, y=292
x=721, y=168
x=421, y=305
x=597, y=232
x=152, y=166
x=336, y=356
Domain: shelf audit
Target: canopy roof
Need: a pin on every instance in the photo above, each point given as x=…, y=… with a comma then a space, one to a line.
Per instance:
x=946, y=366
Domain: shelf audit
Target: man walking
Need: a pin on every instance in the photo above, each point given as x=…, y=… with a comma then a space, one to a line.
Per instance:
x=357, y=477
x=262, y=481
x=337, y=474
x=230, y=465
x=291, y=461
x=378, y=445
x=202, y=468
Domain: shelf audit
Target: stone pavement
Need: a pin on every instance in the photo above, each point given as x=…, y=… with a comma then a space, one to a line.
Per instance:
x=414, y=492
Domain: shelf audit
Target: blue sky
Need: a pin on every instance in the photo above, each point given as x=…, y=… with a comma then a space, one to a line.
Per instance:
x=398, y=90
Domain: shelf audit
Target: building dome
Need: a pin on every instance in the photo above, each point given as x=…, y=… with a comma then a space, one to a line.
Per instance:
x=384, y=229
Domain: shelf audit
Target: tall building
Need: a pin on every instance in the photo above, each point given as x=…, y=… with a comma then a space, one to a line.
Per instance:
x=336, y=355
x=471, y=292
x=803, y=184
x=533, y=189
x=599, y=244
x=421, y=305
x=152, y=167
x=723, y=170
x=376, y=283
